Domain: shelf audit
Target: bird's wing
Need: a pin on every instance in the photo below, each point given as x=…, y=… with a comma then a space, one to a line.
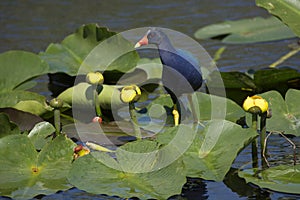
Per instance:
x=189, y=57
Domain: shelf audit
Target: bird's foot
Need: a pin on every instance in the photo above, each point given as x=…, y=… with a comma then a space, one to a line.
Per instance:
x=176, y=117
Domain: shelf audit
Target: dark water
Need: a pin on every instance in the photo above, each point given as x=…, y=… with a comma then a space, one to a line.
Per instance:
x=31, y=25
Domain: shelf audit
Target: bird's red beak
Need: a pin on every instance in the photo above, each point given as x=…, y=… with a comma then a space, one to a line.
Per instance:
x=143, y=41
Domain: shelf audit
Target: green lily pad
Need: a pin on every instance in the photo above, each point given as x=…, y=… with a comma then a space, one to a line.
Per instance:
x=214, y=149
x=285, y=113
x=76, y=52
x=214, y=107
x=40, y=133
x=16, y=71
x=26, y=173
x=81, y=96
x=99, y=173
x=207, y=107
x=7, y=127
x=19, y=67
x=18, y=116
x=287, y=10
x=247, y=30
x=282, y=178
x=26, y=101
x=275, y=79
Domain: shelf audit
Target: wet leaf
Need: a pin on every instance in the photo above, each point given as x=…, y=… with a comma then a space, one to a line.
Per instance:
x=207, y=107
x=40, y=134
x=282, y=178
x=214, y=149
x=287, y=10
x=18, y=67
x=81, y=96
x=214, y=107
x=18, y=116
x=7, y=127
x=75, y=53
x=285, y=113
x=275, y=79
x=101, y=174
x=28, y=173
x=246, y=30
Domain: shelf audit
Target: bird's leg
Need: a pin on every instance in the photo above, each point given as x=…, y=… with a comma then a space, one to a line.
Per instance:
x=193, y=110
x=175, y=115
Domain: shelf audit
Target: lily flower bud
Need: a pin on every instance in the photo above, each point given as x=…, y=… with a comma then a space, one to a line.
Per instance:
x=130, y=93
x=255, y=105
x=94, y=78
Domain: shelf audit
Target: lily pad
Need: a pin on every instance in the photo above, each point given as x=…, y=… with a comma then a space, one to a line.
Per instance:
x=16, y=71
x=99, y=173
x=28, y=173
x=282, y=178
x=214, y=149
x=18, y=116
x=207, y=107
x=7, y=127
x=26, y=101
x=246, y=30
x=212, y=107
x=76, y=52
x=19, y=67
x=80, y=96
x=113, y=133
x=287, y=10
x=40, y=133
x=285, y=113
x=239, y=85
x=275, y=79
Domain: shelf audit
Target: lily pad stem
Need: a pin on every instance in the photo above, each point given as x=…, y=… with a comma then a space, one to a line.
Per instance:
x=57, y=121
x=254, y=143
x=96, y=101
x=56, y=104
x=263, y=146
x=134, y=122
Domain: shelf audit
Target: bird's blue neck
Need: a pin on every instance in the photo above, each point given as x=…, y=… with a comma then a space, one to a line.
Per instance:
x=166, y=45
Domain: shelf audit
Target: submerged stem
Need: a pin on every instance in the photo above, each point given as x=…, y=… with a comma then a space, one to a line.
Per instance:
x=96, y=101
x=134, y=121
x=254, y=143
x=57, y=121
x=263, y=147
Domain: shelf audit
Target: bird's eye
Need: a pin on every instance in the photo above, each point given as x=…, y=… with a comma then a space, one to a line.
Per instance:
x=151, y=35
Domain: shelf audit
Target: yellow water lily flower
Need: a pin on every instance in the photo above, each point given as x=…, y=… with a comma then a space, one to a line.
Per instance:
x=255, y=104
x=94, y=78
x=130, y=93
x=80, y=151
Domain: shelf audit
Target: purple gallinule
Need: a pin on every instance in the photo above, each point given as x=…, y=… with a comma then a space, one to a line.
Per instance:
x=181, y=71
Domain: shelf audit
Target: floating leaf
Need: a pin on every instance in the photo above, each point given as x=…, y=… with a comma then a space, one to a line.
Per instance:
x=18, y=67
x=287, y=10
x=112, y=52
x=25, y=101
x=247, y=30
x=28, y=173
x=108, y=133
x=16, y=71
x=215, y=148
x=285, y=113
x=101, y=174
x=39, y=135
x=214, y=107
x=18, y=116
x=282, y=178
x=207, y=107
x=275, y=79
x=7, y=127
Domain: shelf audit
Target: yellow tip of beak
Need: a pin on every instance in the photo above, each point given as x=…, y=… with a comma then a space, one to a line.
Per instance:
x=137, y=45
